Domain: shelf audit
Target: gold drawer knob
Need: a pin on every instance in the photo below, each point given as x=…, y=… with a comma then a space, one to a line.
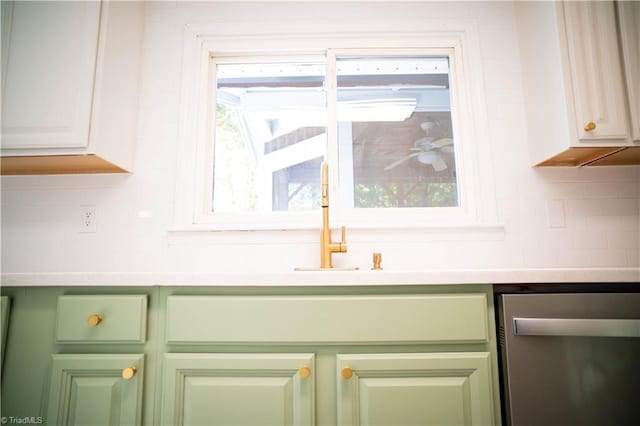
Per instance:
x=94, y=320
x=304, y=372
x=347, y=373
x=128, y=373
x=589, y=126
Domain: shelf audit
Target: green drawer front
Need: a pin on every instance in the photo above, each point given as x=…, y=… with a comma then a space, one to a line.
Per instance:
x=123, y=319
x=445, y=318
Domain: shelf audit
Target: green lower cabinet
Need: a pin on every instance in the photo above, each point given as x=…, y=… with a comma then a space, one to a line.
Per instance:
x=238, y=389
x=415, y=389
x=96, y=389
x=4, y=323
x=214, y=356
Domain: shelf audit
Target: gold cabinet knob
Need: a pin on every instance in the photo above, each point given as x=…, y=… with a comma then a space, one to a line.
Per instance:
x=129, y=372
x=589, y=126
x=347, y=373
x=304, y=372
x=94, y=320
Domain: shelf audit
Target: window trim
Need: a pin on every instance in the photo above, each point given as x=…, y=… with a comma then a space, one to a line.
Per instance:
x=459, y=38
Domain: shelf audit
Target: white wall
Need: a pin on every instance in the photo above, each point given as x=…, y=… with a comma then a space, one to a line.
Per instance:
x=41, y=215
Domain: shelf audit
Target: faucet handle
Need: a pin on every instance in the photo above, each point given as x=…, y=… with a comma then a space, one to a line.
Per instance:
x=343, y=241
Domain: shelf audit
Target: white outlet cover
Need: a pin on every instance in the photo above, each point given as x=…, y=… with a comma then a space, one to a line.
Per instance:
x=88, y=223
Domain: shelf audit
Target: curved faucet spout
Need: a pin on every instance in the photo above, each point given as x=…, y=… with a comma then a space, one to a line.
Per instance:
x=328, y=247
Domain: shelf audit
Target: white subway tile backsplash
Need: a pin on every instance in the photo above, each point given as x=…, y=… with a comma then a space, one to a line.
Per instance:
x=623, y=189
x=599, y=207
x=633, y=259
x=569, y=190
x=609, y=258
x=556, y=213
x=622, y=239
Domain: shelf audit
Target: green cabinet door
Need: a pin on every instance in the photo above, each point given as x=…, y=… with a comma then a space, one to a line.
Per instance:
x=95, y=390
x=238, y=389
x=424, y=389
x=4, y=325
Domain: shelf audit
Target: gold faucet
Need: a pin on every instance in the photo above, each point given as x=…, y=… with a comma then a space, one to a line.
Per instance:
x=328, y=247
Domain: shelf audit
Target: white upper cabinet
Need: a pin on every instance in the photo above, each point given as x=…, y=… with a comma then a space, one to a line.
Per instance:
x=50, y=66
x=580, y=80
x=70, y=86
x=595, y=83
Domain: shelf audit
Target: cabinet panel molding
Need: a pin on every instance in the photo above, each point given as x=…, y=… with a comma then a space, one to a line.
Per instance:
x=443, y=318
x=90, y=389
x=238, y=389
x=415, y=388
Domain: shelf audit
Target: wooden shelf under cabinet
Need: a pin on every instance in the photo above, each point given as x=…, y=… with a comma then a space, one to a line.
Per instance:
x=594, y=156
x=56, y=164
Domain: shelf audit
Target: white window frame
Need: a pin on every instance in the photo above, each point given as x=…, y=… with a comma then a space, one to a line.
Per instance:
x=456, y=39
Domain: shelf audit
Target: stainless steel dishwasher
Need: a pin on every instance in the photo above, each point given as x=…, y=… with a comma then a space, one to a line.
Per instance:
x=570, y=359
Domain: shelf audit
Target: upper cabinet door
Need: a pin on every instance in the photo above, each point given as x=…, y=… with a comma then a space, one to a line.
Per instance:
x=595, y=71
x=629, y=18
x=49, y=58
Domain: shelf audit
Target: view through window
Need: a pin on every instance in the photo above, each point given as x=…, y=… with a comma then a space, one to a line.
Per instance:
x=394, y=133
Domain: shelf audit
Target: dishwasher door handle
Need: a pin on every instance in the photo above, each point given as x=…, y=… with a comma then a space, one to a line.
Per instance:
x=576, y=327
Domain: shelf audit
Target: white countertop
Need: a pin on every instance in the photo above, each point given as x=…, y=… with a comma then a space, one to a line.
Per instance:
x=327, y=278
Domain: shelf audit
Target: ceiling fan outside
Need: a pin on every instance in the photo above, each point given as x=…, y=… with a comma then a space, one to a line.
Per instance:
x=428, y=149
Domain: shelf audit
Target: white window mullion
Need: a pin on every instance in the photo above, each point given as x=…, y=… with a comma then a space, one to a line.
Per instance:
x=205, y=168
x=345, y=144
x=332, y=126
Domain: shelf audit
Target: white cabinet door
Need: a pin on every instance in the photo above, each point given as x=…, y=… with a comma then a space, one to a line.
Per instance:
x=629, y=17
x=49, y=59
x=597, y=88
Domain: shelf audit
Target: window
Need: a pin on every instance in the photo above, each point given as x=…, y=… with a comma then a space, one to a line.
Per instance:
x=402, y=129
x=393, y=119
x=395, y=135
x=270, y=135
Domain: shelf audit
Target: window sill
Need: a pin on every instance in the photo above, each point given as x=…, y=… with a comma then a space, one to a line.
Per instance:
x=307, y=234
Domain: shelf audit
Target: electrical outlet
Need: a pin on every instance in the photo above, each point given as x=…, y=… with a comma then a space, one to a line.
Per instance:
x=88, y=223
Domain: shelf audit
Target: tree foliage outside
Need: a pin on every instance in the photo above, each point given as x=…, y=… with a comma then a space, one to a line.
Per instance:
x=235, y=168
x=390, y=195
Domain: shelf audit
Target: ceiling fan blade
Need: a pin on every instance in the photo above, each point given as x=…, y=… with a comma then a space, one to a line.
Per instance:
x=439, y=165
x=442, y=142
x=400, y=161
